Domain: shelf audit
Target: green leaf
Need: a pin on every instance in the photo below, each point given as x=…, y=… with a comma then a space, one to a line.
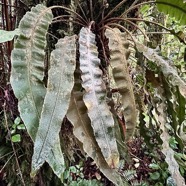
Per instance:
x=175, y=8
x=28, y=66
x=57, y=99
x=13, y=131
x=28, y=73
x=73, y=169
x=17, y=120
x=86, y=183
x=119, y=54
x=173, y=143
x=77, y=115
x=154, y=166
x=8, y=35
x=159, y=184
x=66, y=174
x=95, y=97
x=14, y=126
x=154, y=175
x=21, y=127
x=16, y=138
x=181, y=159
x=144, y=10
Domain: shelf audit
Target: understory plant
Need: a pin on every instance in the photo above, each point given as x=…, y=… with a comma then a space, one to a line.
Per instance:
x=89, y=83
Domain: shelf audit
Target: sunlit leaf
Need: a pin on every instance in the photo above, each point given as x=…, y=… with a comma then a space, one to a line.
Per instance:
x=175, y=8
x=16, y=138
x=17, y=120
x=21, y=127
x=154, y=166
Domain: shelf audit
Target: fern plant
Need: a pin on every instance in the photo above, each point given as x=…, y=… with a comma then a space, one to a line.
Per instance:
x=78, y=85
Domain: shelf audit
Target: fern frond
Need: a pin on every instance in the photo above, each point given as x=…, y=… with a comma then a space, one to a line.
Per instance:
x=168, y=71
x=118, y=52
x=94, y=97
x=57, y=99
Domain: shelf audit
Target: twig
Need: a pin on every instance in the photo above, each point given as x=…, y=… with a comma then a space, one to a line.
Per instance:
x=1, y=157
x=6, y=163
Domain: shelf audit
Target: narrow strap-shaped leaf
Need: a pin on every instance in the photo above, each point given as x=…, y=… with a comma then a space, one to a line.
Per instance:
x=173, y=166
x=28, y=66
x=168, y=71
x=56, y=103
x=28, y=72
x=176, y=116
x=119, y=53
x=77, y=115
x=94, y=97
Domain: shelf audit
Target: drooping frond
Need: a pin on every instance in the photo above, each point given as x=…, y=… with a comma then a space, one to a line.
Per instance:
x=28, y=66
x=95, y=97
x=118, y=51
x=57, y=99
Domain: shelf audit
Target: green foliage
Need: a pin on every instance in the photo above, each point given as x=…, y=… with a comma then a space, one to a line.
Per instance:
x=8, y=35
x=77, y=172
x=154, y=175
x=168, y=71
x=79, y=89
x=28, y=66
x=17, y=126
x=159, y=172
x=174, y=8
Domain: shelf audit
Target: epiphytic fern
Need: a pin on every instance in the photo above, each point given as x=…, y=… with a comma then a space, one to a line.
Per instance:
x=79, y=84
